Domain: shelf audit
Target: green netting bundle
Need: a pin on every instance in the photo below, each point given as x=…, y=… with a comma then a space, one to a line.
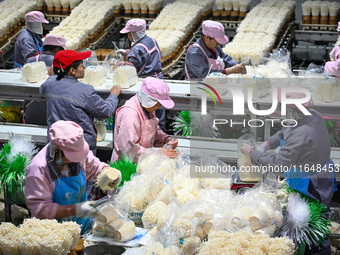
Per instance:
x=15, y=158
x=194, y=124
x=333, y=128
x=109, y=123
x=306, y=221
x=126, y=166
x=182, y=124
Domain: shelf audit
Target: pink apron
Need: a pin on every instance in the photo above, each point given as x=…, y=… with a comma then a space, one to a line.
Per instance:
x=148, y=128
x=155, y=48
x=215, y=63
x=37, y=60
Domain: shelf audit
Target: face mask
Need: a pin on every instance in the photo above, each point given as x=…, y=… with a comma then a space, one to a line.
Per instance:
x=146, y=100
x=35, y=27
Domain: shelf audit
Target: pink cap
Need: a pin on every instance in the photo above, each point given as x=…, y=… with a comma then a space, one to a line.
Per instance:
x=295, y=95
x=55, y=40
x=35, y=16
x=215, y=30
x=134, y=25
x=159, y=90
x=338, y=29
x=69, y=137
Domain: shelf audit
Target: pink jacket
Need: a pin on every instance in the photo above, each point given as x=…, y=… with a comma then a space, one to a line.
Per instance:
x=134, y=132
x=333, y=67
x=39, y=186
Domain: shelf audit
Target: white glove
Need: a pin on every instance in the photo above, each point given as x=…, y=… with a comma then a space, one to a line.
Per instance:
x=246, y=149
x=264, y=147
x=85, y=209
x=121, y=51
x=116, y=182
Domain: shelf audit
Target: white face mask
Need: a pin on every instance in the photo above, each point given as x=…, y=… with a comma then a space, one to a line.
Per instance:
x=35, y=27
x=136, y=36
x=146, y=100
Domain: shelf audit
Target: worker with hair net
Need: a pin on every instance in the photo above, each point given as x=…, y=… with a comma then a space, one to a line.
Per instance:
x=136, y=126
x=56, y=178
x=206, y=54
x=29, y=41
x=144, y=55
x=304, y=143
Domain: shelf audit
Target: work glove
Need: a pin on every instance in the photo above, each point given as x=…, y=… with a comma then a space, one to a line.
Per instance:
x=85, y=209
x=116, y=182
x=246, y=149
x=123, y=52
x=264, y=147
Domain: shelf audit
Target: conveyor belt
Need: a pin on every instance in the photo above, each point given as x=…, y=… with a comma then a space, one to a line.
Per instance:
x=11, y=87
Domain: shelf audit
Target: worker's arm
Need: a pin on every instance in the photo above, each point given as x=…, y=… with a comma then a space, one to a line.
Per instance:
x=333, y=67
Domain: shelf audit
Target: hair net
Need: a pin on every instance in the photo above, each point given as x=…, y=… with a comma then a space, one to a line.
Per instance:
x=146, y=100
x=35, y=27
x=136, y=36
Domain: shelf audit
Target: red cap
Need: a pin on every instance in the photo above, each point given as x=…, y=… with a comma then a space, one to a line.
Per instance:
x=65, y=58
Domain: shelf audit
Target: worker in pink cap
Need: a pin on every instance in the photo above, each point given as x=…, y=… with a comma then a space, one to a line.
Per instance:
x=29, y=40
x=136, y=126
x=35, y=110
x=206, y=54
x=305, y=147
x=52, y=45
x=145, y=55
x=333, y=67
x=55, y=180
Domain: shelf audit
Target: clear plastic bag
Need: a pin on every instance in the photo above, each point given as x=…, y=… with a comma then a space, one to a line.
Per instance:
x=315, y=69
x=92, y=60
x=110, y=62
x=248, y=172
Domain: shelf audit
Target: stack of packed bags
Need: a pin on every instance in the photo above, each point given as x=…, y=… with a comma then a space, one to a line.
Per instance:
x=98, y=14
x=234, y=10
x=258, y=32
x=317, y=12
x=188, y=212
x=175, y=25
x=12, y=13
x=57, y=7
x=142, y=8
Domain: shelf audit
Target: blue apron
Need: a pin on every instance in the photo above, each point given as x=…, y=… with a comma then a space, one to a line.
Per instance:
x=40, y=48
x=72, y=190
x=299, y=180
